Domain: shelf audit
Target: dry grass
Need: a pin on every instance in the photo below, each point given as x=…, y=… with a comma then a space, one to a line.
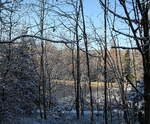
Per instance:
x=93, y=84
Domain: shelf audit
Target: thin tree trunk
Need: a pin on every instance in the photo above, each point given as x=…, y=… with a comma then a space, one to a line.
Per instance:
x=82, y=100
x=73, y=68
x=87, y=61
x=42, y=58
x=105, y=64
x=78, y=64
x=40, y=100
x=48, y=72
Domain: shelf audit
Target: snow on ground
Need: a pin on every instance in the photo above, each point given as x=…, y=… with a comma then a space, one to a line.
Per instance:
x=69, y=117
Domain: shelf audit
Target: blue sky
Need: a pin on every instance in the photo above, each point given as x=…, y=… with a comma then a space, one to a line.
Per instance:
x=92, y=7
x=92, y=10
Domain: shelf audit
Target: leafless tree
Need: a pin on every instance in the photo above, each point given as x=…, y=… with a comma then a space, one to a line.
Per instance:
x=138, y=22
x=87, y=60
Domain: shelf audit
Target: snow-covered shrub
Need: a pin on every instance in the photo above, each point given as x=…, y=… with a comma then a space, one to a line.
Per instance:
x=18, y=81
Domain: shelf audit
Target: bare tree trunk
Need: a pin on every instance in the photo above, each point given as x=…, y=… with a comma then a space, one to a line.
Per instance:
x=41, y=115
x=48, y=73
x=1, y=22
x=82, y=100
x=134, y=65
x=109, y=98
x=105, y=64
x=147, y=91
x=146, y=64
x=87, y=60
x=78, y=64
x=42, y=57
x=73, y=67
x=10, y=32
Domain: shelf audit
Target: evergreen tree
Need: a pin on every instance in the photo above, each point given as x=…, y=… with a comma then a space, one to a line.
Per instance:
x=127, y=66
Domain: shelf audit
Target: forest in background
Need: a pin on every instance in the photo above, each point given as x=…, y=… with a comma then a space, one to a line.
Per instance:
x=55, y=59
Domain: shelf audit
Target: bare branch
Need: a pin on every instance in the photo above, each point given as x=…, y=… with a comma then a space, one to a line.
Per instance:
x=117, y=15
x=122, y=47
x=128, y=35
x=37, y=37
x=134, y=87
x=90, y=54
